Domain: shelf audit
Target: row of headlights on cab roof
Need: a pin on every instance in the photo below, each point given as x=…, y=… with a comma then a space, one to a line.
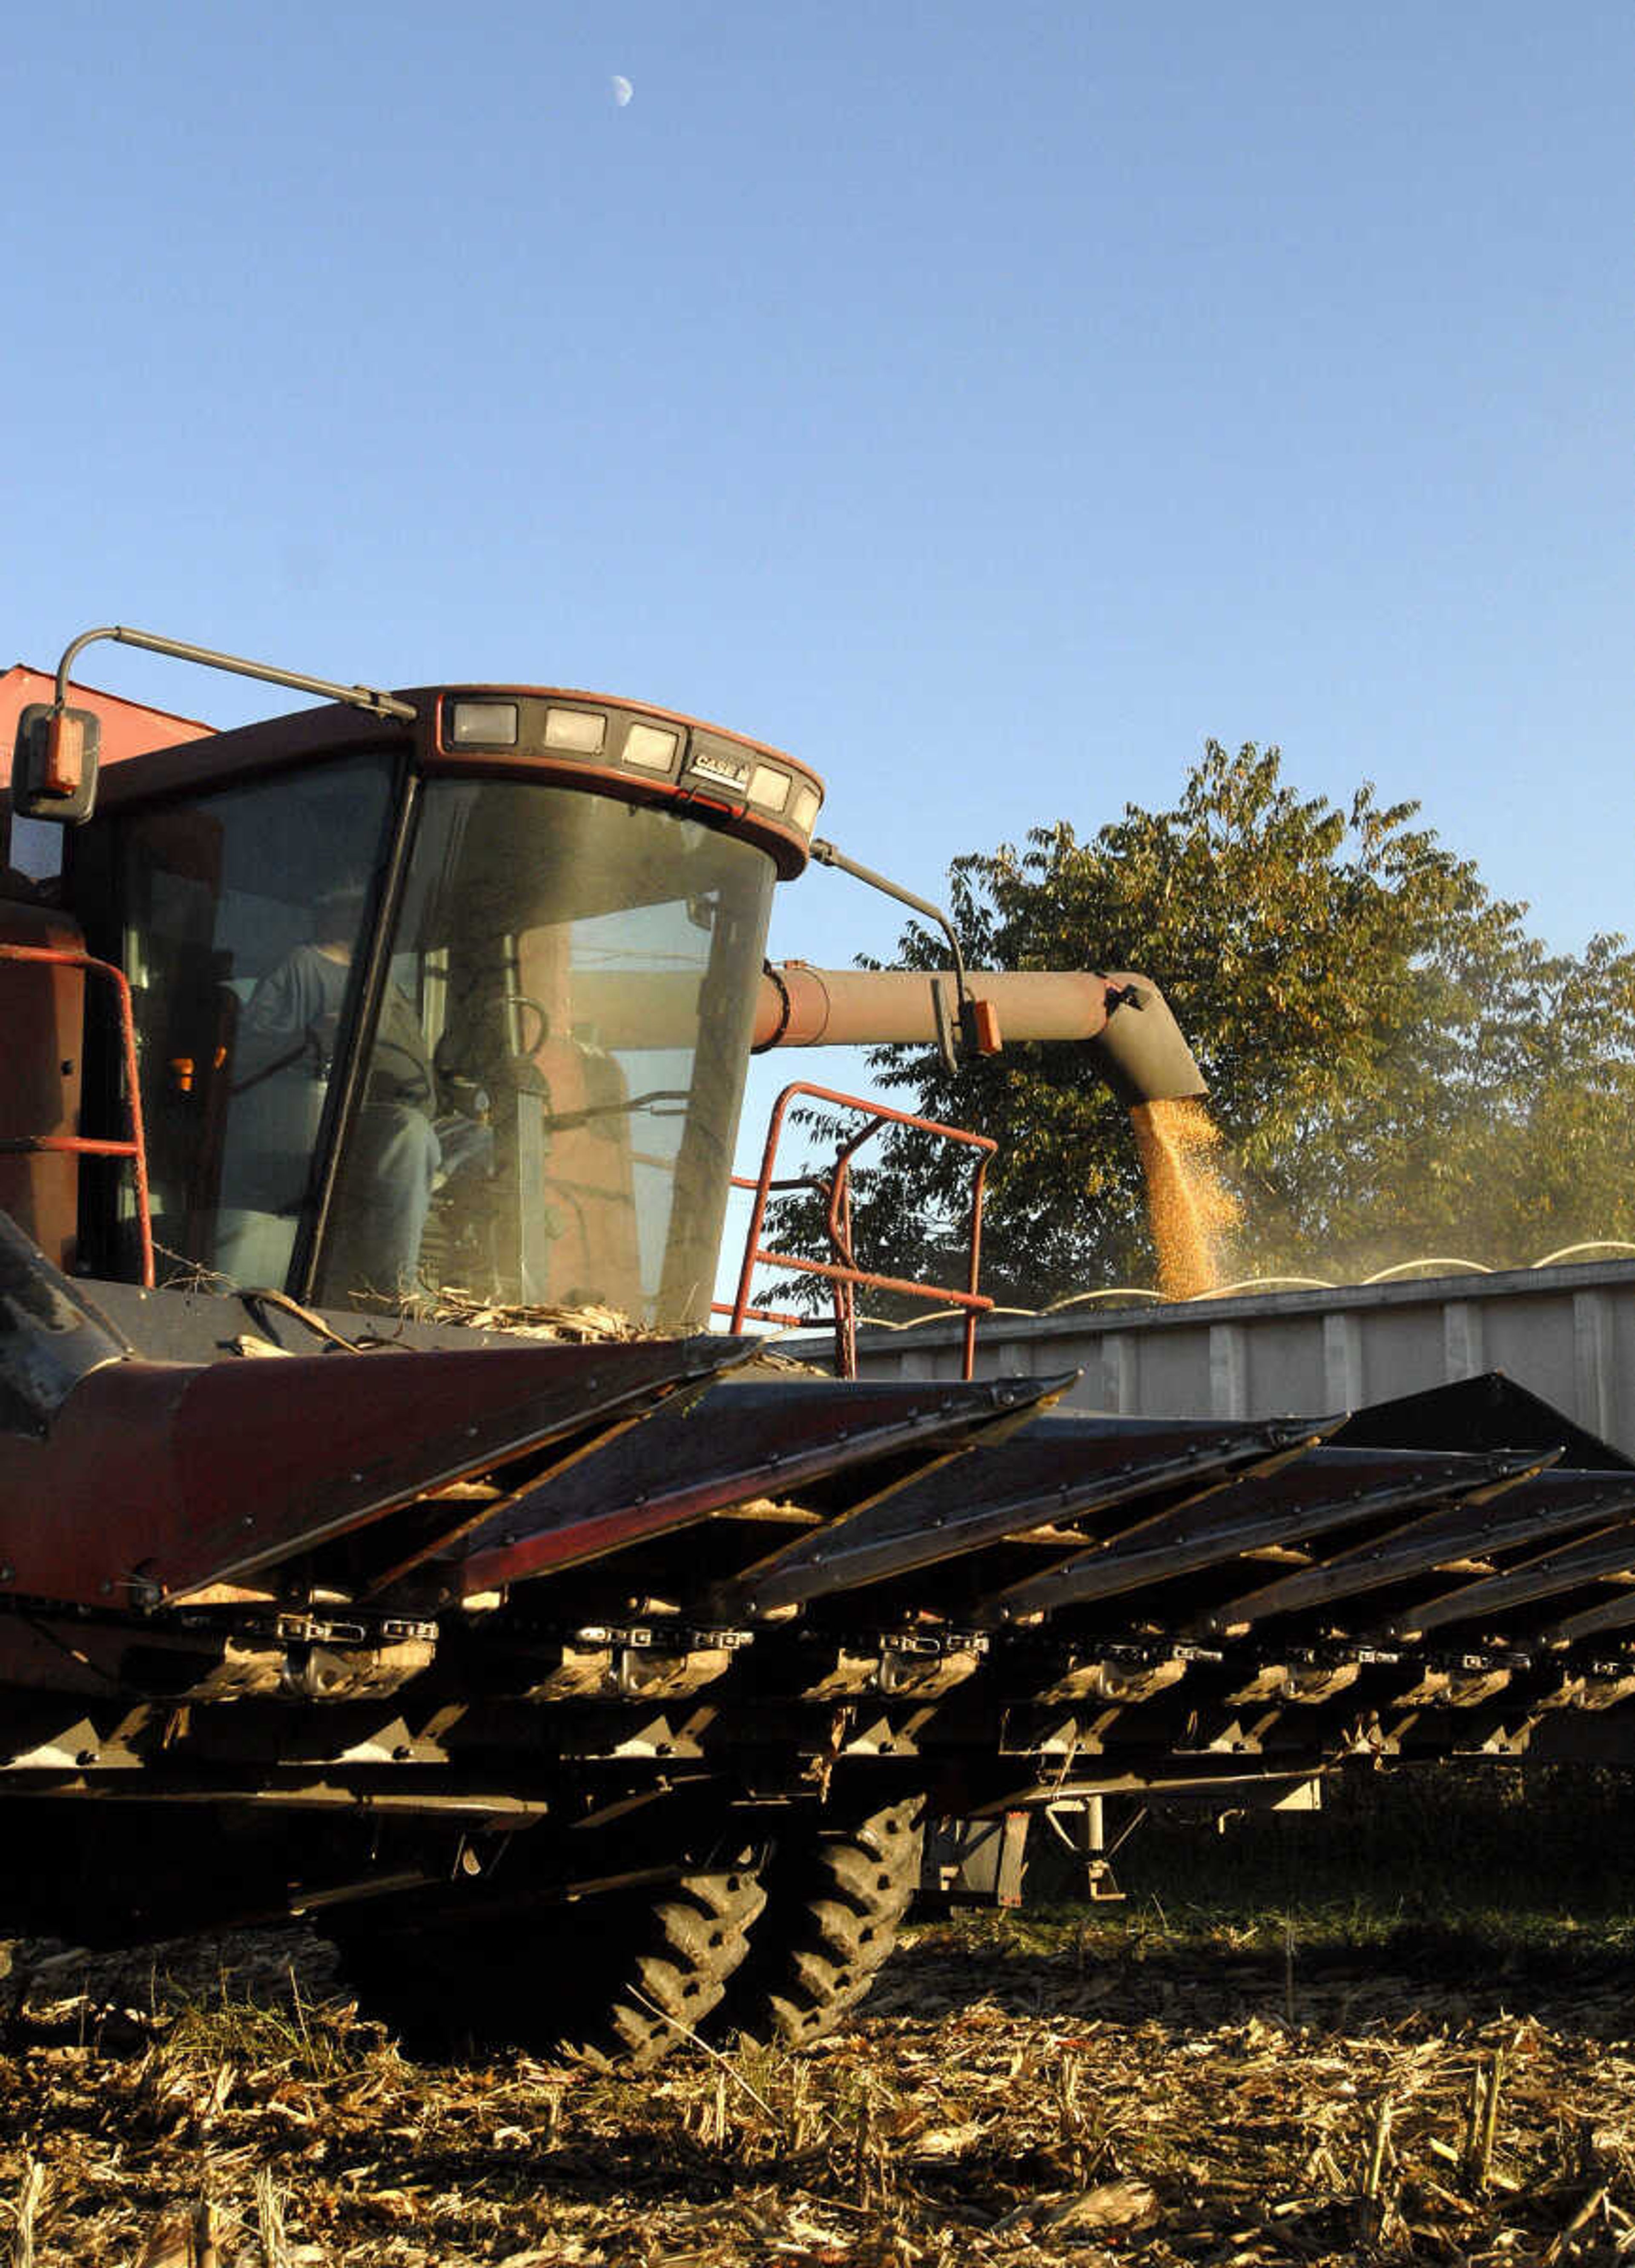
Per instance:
x=658, y=750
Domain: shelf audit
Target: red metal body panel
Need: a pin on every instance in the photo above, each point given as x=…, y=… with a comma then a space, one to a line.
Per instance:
x=51, y=961
x=173, y=1475
x=42, y=1015
x=786, y=845
x=128, y=727
x=252, y=751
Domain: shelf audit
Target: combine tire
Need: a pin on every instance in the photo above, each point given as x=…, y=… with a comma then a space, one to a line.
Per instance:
x=836, y=1899
x=620, y=1979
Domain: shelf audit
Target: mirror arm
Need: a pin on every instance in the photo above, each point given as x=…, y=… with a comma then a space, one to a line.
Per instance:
x=355, y=696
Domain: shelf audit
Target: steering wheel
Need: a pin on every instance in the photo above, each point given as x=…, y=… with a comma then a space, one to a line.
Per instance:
x=531, y=1046
x=468, y=1076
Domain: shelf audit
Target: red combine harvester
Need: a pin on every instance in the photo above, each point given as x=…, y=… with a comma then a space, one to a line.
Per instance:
x=597, y=1687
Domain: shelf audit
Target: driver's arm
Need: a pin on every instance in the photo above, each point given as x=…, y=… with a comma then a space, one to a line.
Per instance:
x=299, y=998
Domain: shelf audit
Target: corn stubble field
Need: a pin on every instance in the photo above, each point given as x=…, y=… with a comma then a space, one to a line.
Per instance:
x=1403, y=2032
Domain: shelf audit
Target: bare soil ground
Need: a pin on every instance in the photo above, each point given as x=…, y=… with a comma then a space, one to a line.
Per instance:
x=1170, y=2082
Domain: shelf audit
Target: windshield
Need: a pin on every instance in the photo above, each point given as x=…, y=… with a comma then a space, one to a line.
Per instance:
x=551, y=1098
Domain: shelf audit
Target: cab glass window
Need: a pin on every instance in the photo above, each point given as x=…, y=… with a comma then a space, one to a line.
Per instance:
x=549, y=1106
x=242, y=913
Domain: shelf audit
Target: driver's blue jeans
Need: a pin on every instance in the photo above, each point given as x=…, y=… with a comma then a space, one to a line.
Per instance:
x=400, y=1159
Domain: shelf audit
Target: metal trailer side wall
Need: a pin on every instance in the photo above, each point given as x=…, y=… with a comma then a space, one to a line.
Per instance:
x=1568, y=1332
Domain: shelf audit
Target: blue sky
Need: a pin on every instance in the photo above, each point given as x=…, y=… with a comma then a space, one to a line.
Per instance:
x=986, y=404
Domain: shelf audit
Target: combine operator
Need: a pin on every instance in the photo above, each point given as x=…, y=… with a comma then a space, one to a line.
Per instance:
x=404, y=1149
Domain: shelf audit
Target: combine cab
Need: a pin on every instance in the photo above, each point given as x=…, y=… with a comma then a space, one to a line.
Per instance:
x=337, y=1032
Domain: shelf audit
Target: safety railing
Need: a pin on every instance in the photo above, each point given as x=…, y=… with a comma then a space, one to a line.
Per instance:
x=833, y=1185
x=134, y=1146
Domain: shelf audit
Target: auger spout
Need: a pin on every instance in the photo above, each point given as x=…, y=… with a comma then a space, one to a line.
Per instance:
x=1132, y=1043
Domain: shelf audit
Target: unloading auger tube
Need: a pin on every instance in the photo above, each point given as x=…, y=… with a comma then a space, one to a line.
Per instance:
x=1136, y=1044
x=471, y=1646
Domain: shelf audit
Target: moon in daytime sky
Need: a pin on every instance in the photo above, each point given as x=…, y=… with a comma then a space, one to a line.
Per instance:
x=622, y=89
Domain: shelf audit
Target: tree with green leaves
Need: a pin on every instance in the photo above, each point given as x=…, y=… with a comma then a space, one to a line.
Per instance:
x=1397, y=1068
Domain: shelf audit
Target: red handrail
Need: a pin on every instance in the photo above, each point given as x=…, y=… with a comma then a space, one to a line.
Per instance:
x=85, y=1145
x=844, y=1272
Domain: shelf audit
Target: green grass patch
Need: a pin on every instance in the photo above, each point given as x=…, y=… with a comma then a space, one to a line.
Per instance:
x=290, y=2033
x=1451, y=1867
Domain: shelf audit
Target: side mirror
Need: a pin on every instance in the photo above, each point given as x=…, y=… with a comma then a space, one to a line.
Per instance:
x=54, y=763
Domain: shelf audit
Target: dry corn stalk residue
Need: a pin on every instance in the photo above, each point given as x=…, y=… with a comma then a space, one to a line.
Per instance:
x=1190, y=1209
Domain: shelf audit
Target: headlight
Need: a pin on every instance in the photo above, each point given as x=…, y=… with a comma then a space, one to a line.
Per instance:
x=482, y=725
x=581, y=731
